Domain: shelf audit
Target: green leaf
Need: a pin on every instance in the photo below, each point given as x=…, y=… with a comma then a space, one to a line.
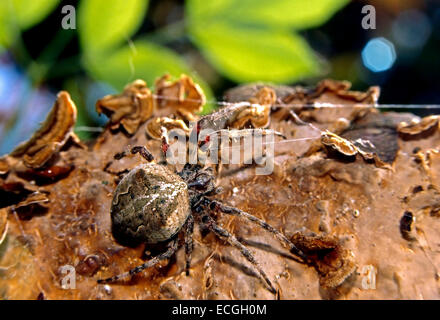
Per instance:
x=298, y=14
x=6, y=31
x=249, y=40
x=250, y=54
x=104, y=24
x=202, y=9
x=142, y=60
x=30, y=12
x=21, y=14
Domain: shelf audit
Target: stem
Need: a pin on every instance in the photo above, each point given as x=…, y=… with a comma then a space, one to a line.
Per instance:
x=39, y=68
x=19, y=51
x=65, y=67
x=168, y=33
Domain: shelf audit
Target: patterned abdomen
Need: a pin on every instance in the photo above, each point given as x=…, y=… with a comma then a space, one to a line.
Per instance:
x=150, y=204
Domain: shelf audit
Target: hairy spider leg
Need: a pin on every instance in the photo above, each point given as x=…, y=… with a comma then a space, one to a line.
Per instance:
x=165, y=142
x=144, y=152
x=215, y=204
x=240, y=133
x=203, y=180
x=232, y=240
x=204, y=144
x=303, y=123
x=172, y=248
x=189, y=228
x=297, y=118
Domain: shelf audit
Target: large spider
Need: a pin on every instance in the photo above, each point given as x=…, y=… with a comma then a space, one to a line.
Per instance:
x=152, y=204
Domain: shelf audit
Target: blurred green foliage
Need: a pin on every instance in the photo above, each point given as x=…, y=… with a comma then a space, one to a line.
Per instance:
x=110, y=55
x=220, y=43
x=245, y=40
x=103, y=27
x=17, y=15
x=253, y=40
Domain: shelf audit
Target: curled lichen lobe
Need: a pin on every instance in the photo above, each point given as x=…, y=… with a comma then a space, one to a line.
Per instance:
x=150, y=205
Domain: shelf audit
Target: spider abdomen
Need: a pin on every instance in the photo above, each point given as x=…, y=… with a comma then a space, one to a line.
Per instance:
x=150, y=204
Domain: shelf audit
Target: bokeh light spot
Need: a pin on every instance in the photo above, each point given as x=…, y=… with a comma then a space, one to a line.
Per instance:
x=379, y=55
x=411, y=29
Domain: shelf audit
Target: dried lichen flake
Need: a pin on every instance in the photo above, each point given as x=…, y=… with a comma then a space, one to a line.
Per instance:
x=258, y=114
x=180, y=94
x=3, y=224
x=340, y=144
x=333, y=262
x=51, y=136
x=154, y=126
x=348, y=148
x=415, y=128
x=130, y=108
x=4, y=165
x=34, y=198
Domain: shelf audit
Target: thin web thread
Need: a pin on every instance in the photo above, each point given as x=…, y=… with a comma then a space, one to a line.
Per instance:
x=277, y=142
x=312, y=105
x=315, y=105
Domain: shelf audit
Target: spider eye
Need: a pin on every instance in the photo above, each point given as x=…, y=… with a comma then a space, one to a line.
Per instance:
x=205, y=219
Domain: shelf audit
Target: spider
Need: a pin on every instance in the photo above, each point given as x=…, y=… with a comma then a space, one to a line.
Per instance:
x=153, y=205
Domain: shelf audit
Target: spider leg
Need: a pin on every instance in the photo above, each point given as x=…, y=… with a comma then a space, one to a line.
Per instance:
x=241, y=133
x=144, y=152
x=301, y=122
x=189, y=242
x=232, y=240
x=297, y=118
x=165, y=143
x=235, y=134
x=203, y=180
x=214, y=204
x=172, y=247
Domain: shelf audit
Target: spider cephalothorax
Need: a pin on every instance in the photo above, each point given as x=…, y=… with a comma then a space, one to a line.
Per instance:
x=152, y=204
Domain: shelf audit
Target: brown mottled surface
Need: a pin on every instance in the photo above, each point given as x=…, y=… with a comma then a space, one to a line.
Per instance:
x=350, y=200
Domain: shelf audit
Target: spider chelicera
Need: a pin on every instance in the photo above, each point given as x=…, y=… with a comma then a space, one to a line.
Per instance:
x=152, y=204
